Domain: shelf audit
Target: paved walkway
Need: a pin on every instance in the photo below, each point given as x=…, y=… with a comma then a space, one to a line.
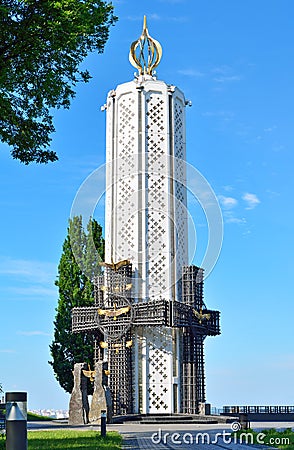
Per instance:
x=146, y=443
x=204, y=437
x=177, y=436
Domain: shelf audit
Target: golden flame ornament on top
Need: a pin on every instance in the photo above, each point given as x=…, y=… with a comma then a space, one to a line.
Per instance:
x=145, y=53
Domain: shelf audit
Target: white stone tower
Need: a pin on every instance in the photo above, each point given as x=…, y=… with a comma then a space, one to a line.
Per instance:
x=146, y=216
x=149, y=317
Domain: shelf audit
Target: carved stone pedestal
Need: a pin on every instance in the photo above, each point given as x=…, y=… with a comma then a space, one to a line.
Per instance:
x=79, y=405
x=101, y=399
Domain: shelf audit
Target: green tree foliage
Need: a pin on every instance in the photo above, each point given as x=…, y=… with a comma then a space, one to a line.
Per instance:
x=42, y=43
x=80, y=251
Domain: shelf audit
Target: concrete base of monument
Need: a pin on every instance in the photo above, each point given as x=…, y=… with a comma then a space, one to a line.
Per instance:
x=173, y=419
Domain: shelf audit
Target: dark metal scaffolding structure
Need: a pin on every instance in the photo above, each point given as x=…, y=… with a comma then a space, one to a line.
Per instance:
x=112, y=293
x=117, y=315
x=193, y=375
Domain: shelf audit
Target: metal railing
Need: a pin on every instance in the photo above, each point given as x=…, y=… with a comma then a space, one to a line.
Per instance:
x=258, y=409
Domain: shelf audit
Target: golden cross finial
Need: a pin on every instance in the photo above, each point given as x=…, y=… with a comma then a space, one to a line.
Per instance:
x=145, y=53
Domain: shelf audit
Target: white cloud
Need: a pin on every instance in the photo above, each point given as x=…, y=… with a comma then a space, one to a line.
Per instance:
x=33, y=333
x=7, y=351
x=272, y=194
x=32, y=291
x=225, y=74
x=228, y=202
x=223, y=70
x=134, y=18
x=178, y=19
x=228, y=205
x=155, y=16
x=278, y=148
x=230, y=217
x=27, y=278
x=228, y=188
x=251, y=200
x=39, y=271
x=270, y=129
x=228, y=78
x=223, y=115
x=191, y=73
x=237, y=220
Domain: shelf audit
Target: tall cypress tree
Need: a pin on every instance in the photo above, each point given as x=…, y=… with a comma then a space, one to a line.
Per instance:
x=78, y=264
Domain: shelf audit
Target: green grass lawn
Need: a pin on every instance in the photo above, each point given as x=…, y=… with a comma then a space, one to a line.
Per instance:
x=32, y=417
x=70, y=439
x=271, y=437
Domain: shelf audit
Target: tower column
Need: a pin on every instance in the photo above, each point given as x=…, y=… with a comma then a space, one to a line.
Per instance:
x=148, y=303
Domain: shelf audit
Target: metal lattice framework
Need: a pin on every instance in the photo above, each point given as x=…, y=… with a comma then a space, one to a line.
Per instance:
x=116, y=315
x=154, y=313
x=193, y=375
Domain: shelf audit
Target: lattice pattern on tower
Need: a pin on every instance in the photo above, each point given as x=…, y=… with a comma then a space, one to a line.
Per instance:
x=180, y=190
x=125, y=169
x=126, y=124
x=159, y=346
x=179, y=129
x=157, y=203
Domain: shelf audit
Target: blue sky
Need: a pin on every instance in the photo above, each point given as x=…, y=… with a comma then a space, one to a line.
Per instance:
x=235, y=61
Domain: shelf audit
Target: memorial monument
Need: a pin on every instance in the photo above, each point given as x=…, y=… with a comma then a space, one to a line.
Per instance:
x=149, y=317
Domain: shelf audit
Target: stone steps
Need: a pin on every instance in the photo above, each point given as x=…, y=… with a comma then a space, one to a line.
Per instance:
x=173, y=419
